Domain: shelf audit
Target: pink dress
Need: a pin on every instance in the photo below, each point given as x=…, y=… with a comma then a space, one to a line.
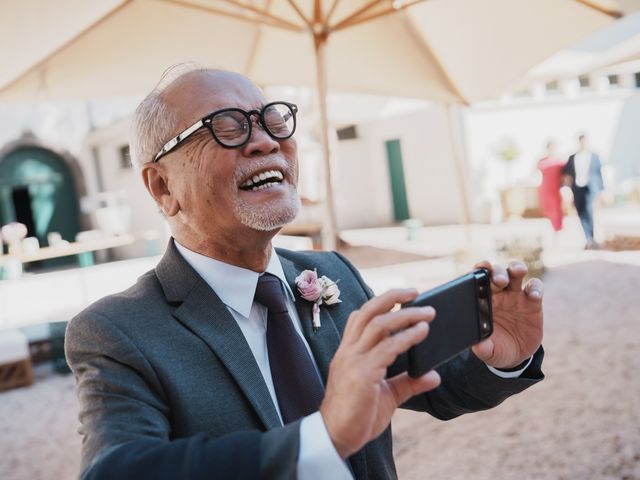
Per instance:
x=549, y=190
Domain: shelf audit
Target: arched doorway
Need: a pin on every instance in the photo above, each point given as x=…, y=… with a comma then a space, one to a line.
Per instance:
x=37, y=188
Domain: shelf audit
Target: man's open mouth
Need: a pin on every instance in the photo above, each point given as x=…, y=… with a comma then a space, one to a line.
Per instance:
x=262, y=180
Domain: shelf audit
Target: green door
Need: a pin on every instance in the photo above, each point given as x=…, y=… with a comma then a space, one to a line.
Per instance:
x=37, y=189
x=396, y=176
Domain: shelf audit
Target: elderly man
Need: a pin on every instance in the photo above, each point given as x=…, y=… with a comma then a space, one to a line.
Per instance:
x=214, y=366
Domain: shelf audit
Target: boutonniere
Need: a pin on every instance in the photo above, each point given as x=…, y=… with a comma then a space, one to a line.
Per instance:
x=317, y=290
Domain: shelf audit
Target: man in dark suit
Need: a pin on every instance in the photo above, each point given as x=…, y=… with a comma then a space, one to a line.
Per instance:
x=210, y=367
x=583, y=174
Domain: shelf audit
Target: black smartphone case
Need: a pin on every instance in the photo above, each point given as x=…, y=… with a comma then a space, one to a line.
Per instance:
x=458, y=323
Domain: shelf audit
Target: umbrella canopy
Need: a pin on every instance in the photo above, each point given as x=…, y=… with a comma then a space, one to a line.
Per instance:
x=445, y=50
x=614, y=45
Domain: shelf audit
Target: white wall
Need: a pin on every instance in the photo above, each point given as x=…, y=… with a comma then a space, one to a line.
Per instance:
x=363, y=188
x=361, y=184
x=144, y=213
x=62, y=294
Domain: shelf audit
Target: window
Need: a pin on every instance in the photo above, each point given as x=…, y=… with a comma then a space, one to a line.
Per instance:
x=585, y=82
x=614, y=81
x=552, y=87
x=347, y=133
x=637, y=77
x=125, y=158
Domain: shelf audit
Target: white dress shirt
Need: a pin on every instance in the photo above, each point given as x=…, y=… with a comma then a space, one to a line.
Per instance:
x=236, y=286
x=582, y=162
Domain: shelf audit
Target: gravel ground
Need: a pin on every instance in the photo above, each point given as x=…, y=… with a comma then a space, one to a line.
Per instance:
x=582, y=422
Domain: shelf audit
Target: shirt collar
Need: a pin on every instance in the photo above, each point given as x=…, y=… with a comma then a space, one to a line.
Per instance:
x=236, y=286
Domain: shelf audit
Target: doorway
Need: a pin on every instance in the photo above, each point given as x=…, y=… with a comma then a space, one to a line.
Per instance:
x=22, y=207
x=37, y=189
x=396, y=177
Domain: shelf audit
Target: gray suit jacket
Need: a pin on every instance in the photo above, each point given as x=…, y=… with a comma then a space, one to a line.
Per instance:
x=169, y=388
x=595, y=184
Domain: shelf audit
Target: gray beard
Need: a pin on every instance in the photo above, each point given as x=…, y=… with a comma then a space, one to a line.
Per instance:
x=270, y=216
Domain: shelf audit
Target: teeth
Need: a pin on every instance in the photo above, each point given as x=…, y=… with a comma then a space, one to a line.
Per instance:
x=263, y=187
x=261, y=177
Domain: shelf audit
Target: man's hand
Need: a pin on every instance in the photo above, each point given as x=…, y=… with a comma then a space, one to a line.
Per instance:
x=359, y=401
x=517, y=317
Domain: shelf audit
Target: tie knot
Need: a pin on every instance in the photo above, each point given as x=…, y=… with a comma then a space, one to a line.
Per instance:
x=269, y=292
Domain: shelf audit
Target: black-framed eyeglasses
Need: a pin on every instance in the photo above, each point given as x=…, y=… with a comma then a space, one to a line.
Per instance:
x=231, y=127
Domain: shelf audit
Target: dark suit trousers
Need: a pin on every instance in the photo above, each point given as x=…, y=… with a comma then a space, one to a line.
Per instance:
x=583, y=200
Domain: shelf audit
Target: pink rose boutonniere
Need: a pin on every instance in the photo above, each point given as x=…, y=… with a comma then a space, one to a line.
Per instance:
x=317, y=290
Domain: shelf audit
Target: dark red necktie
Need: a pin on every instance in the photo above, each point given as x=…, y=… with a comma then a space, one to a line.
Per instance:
x=295, y=379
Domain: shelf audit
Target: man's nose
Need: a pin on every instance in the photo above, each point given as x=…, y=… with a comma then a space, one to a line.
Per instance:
x=260, y=142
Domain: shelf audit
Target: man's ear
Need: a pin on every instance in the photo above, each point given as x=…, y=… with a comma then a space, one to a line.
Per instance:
x=156, y=180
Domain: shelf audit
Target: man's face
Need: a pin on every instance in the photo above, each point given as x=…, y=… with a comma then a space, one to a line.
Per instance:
x=212, y=183
x=583, y=143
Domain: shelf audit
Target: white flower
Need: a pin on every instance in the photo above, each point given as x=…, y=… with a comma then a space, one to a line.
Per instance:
x=317, y=290
x=330, y=292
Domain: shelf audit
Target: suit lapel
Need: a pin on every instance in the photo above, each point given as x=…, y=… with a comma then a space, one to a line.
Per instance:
x=325, y=341
x=202, y=312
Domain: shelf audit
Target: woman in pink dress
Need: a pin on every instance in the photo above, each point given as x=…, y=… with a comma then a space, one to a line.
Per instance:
x=549, y=190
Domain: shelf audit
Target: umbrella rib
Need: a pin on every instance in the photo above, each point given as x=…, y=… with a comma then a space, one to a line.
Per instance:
x=263, y=12
x=266, y=19
x=599, y=8
x=353, y=20
x=331, y=10
x=254, y=45
x=301, y=14
x=77, y=37
x=429, y=51
x=355, y=15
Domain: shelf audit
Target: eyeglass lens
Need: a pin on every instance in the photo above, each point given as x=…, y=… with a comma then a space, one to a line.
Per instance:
x=231, y=127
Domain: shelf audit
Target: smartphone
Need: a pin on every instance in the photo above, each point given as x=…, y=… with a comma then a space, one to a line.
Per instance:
x=463, y=318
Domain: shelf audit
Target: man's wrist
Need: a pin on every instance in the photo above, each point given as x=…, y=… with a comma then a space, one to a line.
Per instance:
x=341, y=447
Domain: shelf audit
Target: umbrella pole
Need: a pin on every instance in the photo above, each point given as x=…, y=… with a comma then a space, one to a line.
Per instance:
x=330, y=240
x=457, y=151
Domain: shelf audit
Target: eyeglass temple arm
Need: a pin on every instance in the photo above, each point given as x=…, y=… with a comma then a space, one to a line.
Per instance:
x=173, y=143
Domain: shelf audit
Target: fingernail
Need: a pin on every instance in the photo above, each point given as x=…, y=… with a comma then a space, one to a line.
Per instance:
x=432, y=375
x=535, y=294
x=500, y=278
x=428, y=310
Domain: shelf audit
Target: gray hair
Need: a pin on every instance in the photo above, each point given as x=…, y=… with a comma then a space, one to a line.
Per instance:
x=154, y=123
